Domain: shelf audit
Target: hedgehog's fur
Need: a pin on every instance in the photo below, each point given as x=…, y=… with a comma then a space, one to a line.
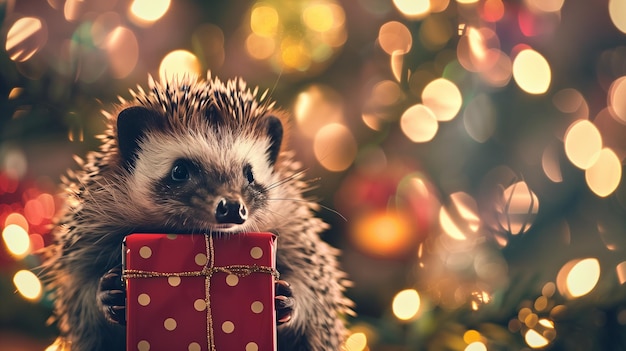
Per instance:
x=220, y=126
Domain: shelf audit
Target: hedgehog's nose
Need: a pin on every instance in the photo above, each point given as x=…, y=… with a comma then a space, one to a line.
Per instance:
x=228, y=211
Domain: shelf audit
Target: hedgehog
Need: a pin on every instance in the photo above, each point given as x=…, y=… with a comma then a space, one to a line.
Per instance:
x=192, y=155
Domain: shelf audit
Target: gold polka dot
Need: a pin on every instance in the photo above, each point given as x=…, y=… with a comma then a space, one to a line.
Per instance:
x=145, y=252
x=232, y=280
x=170, y=324
x=257, y=307
x=199, y=305
x=171, y=236
x=201, y=259
x=252, y=346
x=143, y=299
x=194, y=346
x=173, y=280
x=256, y=252
x=228, y=327
x=143, y=345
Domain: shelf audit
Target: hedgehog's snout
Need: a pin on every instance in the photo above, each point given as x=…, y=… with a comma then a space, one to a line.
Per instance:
x=231, y=212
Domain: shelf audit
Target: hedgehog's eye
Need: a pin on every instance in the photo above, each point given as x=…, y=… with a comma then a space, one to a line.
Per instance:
x=247, y=171
x=180, y=171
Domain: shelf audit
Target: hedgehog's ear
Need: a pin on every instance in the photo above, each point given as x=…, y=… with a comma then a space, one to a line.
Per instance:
x=275, y=132
x=132, y=124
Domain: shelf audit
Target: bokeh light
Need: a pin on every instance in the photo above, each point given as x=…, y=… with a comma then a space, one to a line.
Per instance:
x=316, y=107
x=617, y=11
x=179, y=63
x=443, y=98
x=356, y=342
x=413, y=9
x=383, y=234
x=578, y=277
x=334, y=147
x=535, y=340
x=479, y=118
x=394, y=36
x=27, y=284
x=419, y=123
x=531, y=72
x=545, y=5
x=605, y=174
x=123, y=51
x=583, y=143
x=617, y=102
x=460, y=219
x=25, y=37
x=476, y=346
x=145, y=12
x=406, y=304
x=16, y=240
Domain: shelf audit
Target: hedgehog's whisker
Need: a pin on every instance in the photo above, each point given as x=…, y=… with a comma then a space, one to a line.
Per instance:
x=286, y=179
x=317, y=204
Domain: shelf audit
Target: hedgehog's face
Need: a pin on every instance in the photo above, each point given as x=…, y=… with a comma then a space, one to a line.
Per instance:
x=198, y=180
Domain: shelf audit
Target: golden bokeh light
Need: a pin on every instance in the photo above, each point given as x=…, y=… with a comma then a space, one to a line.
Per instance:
x=383, y=234
x=621, y=272
x=605, y=174
x=123, y=51
x=479, y=118
x=179, y=63
x=617, y=99
x=18, y=219
x=144, y=12
x=413, y=9
x=443, y=98
x=476, y=346
x=406, y=304
x=397, y=61
x=334, y=147
x=531, y=72
x=315, y=107
x=471, y=336
x=459, y=219
x=518, y=208
x=264, y=20
x=578, y=277
x=583, y=143
x=467, y=2
x=25, y=37
x=260, y=47
x=322, y=17
x=535, y=340
x=493, y=10
x=356, y=342
x=419, y=123
x=617, y=11
x=395, y=36
x=16, y=240
x=27, y=284
x=435, y=32
x=295, y=54
x=545, y=5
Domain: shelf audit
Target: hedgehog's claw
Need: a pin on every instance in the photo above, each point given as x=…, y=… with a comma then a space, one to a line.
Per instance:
x=111, y=296
x=284, y=302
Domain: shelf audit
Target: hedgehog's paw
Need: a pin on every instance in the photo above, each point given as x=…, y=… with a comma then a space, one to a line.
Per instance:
x=112, y=296
x=284, y=302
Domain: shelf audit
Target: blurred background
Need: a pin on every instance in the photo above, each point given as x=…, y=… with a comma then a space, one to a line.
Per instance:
x=474, y=147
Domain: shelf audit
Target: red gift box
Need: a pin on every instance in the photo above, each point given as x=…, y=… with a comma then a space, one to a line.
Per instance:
x=200, y=293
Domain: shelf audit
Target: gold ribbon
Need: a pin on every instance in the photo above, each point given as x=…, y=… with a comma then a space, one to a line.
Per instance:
x=207, y=271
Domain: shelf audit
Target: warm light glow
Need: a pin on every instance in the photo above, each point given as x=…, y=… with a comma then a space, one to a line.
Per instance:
x=16, y=240
x=493, y=10
x=476, y=346
x=617, y=11
x=406, y=304
x=260, y=47
x=535, y=340
x=27, y=284
x=334, y=147
x=551, y=165
x=320, y=17
x=413, y=8
x=123, y=51
x=461, y=217
x=578, y=277
x=16, y=218
x=617, y=99
x=531, y=72
x=356, y=342
x=25, y=37
x=395, y=36
x=179, y=63
x=518, y=209
x=264, y=20
x=384, y=234
x=583, y=143
x=605, y=174
x=148, y=11
x=419, y=123
x=316, y=107
x=443, y=98
x=545, y=5
x=471, y=336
